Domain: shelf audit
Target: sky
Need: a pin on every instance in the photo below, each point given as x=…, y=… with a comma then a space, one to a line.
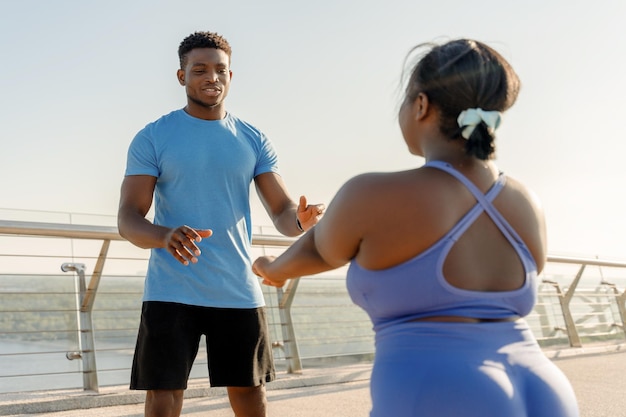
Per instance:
x=321, y=79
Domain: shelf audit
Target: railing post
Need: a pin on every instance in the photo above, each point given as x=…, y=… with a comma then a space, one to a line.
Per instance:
x=542, y=311
x=94, y=282
x=621, y=304
x=564, y=300
x=86, y=344
x=285, y=299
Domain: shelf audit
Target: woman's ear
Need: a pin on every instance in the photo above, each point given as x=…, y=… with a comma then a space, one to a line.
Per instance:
x=421, y=106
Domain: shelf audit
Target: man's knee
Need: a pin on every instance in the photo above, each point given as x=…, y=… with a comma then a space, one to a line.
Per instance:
x=248, y=401
x=164, y=403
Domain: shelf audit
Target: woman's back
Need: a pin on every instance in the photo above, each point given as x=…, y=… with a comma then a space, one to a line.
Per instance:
x=454, y=277
x=408, y=212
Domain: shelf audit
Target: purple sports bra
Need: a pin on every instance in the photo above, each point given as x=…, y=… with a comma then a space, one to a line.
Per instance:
x=417, y=288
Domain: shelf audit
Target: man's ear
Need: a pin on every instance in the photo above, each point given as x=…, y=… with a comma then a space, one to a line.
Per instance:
x=180, y=74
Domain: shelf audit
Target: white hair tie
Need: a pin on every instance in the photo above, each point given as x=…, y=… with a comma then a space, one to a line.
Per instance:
x=470, y=118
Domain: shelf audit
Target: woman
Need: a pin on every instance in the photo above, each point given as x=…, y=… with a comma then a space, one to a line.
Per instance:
x=444, y=258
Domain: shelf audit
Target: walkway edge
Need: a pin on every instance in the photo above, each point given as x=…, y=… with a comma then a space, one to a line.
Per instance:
x=586, y=350
x=64, y=400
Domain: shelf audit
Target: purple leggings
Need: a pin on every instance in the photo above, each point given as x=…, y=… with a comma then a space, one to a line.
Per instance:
x=429, y=369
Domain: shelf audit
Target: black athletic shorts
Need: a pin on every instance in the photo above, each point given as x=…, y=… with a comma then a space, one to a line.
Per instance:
x=239, y=352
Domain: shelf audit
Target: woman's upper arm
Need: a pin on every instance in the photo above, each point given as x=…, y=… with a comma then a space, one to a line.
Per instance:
x=541, y=250
x=339, y=233
x=526, y=214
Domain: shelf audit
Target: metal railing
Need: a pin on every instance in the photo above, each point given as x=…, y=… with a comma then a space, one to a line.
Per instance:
x=44, y=321
x=566, y=295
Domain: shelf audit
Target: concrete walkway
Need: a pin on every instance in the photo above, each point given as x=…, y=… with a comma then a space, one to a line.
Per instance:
x=598, y=376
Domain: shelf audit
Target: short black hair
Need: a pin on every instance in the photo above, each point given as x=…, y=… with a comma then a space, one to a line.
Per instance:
x=202, y=40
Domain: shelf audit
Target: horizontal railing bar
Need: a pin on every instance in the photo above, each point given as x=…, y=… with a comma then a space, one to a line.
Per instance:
x=36, y=293
x=75, y=255
x=42, y=274
x=102, y=370
x=325, y=307
x=337, y=355
x=333, y=339
x=12, y=227
x=337, y=322
x=40, y=374
x=110, y=337
x=23, y=255
x=322, y=278
x=38, y=274
x=43, y=352
x=64, y=293
x=40, y=331
x=129, y=350
x=119, y=292
x=586, y=261
x=323, y=324
x=593, y=326
x=82, y=231
x=41, y=310
x=117, y=369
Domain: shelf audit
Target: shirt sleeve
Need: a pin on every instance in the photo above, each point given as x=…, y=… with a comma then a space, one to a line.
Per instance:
x=142, y=157
x=268, y=159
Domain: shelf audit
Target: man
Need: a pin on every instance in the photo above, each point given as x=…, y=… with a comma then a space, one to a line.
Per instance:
x=197, y=163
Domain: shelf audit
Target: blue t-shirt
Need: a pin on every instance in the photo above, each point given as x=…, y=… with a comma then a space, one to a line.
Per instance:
x=204, y=169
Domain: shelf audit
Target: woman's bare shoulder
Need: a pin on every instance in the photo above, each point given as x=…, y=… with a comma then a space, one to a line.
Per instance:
x=522, y=193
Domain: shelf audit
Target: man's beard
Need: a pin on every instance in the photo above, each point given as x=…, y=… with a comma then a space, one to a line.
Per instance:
x=203, y=104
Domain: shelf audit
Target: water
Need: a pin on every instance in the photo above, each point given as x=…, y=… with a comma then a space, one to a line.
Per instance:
x=38, y=321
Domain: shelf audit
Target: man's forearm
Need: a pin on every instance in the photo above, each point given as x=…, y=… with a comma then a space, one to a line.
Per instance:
x=141, y=232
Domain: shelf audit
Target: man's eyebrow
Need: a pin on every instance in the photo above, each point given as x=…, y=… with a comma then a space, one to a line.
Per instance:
x=202, y=64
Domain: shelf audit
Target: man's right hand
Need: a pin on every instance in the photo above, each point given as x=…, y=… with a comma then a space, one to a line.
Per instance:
x=181, y=243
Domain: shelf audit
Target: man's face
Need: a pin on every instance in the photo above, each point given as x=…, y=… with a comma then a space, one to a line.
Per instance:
x=206, y=77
